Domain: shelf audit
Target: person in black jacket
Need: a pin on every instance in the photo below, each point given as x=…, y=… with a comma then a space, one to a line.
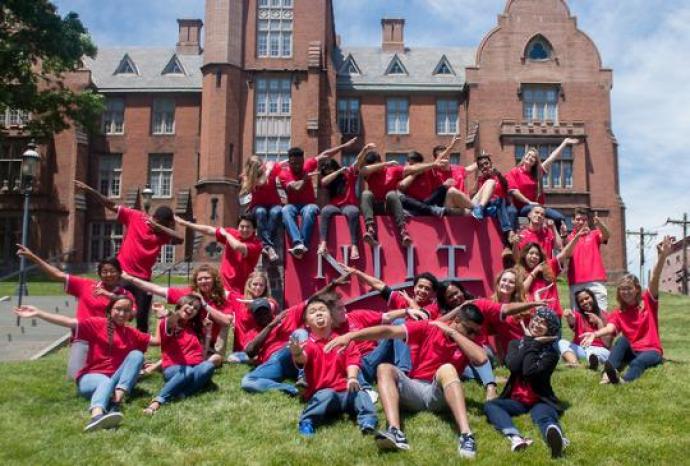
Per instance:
x=531, y=361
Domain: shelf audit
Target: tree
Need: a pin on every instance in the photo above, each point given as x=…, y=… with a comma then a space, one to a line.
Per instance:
x=37, y=48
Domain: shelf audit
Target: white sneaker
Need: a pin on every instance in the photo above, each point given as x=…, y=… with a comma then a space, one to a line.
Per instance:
x=519, y=443
x=373, y=394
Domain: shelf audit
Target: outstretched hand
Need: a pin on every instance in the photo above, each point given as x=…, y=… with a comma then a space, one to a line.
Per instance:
x=353, y=385
x=586, y=339
x=338, y=342
x=295, y=347
x=159, y=309
x=26, y=311
x=666, y=246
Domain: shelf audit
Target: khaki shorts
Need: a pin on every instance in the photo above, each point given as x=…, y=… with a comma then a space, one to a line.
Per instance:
x=420, y=395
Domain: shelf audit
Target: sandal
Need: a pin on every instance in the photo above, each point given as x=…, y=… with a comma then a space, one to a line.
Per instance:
x=151, y=409
x=354, y=253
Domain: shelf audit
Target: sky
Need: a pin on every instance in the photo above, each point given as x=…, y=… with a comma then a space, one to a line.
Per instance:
x=643, y=41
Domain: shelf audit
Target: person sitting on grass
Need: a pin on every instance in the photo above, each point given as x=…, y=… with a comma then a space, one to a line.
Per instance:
x=332, y=378
x=182, y=340
x=531, y=361
x=587, y=317
x=638, y=321
x=115, y=357
x=433, y=384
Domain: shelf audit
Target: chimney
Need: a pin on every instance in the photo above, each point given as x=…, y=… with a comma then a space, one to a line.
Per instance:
x=189, y=40
x=392, y=34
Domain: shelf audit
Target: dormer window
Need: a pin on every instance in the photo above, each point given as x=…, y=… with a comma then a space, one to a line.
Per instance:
x=396, y=67
x=126, y=66
x=174, y=66
x=539, y=49
x=443, y=67
x=349, y=66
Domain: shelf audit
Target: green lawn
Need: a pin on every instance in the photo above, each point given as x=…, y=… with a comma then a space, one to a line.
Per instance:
x=642, y=423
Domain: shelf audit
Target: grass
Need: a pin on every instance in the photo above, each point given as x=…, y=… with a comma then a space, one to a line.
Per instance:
x=642, y=423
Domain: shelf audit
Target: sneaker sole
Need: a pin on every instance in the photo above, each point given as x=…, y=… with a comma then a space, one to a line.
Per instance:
x=593, y=362
x=109, y=421
x=470, y=455
x=555, y=441
x=611, y=373
x=386, y=443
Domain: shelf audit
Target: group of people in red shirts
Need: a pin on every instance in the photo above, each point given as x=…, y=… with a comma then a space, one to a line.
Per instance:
x=417, y=352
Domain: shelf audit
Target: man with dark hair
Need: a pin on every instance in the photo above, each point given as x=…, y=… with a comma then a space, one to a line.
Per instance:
x=241, y=252
x=586, y=267
x=141, y=245
x=296, y=178
x=422, y=194
x=433, y=383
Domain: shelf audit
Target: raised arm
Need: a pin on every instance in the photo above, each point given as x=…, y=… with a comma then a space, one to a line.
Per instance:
x=28, y=312
x=449, y=148
x=175, y=237
x=146, y=285
x=510, y=309
x=328, y=179
x=253, y=347
x=405, y=183
x=100, y=198
x=568, y=249
x=359, y=161
x=417, y=168
x=367, y=170
x=473, y=351
x=50, y=270
x=334, y=150
x=207, y=230
x=373, y=282
x=663, y=250
x=379, y=332
x=553, y=156
x=602, y=227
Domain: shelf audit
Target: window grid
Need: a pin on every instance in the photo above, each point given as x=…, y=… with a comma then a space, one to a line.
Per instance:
x=397, y=116
x=273, y=117
x=105, y=239
x=110, y=174
x=347, y=158
x=274, y=29
x=14, y=117
x=10, y=163
x=401, y=158
x=160, y=174
x=113, y=120
x=348, y=115
x=560, y=176
x=446, y=116
x=167, y=254
x=540, y=103
x=163, y=116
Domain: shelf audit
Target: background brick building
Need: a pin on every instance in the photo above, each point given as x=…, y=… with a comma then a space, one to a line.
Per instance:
x=273, y=74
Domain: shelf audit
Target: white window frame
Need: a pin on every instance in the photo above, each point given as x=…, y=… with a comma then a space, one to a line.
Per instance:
x=447, y=116
x=12, y=117
x=349, y=115
x=540, y=102
x=110, y=175
x=160, y=175
x=166, y=255
x=107, y=239
x=163, y=116
x=274, y=29
x=397, y=109
x=113, y=119
x=11, y=162
x=272, y=117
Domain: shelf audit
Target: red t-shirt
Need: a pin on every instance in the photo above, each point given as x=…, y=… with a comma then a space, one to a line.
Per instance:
x=306, y=194
x=235, y=269
x=521, y=179
x=279, y=336
x=434, y=349
x=456, y=172
x=582, y=325
x=524, y=393
x=640, y=325
x=491, y=310
x=266, y=194
x=349, y=195
x=547, y=291
x=140, y=245
x=182, y=348
x=327, y=370
x=586, y=263
x=357, y=320
x=384, y=180
x=506, y=328
x=423, y=186
x=88, y=303
x=103, y=357
x=499, y=192
x=246, y=327
x=544, y=237
x=226, y=307
x=397, y=301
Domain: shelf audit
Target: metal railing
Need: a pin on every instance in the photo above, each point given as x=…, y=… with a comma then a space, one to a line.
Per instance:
x=169, y=270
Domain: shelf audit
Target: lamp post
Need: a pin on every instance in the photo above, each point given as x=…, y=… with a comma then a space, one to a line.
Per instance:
x=30, y=161
x=147, y=194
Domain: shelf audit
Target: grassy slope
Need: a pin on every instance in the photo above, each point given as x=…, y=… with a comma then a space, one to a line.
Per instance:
x=42, y=418
x=40, y=286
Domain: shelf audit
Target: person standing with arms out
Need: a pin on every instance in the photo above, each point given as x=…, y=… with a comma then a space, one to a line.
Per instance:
x=141, y=245
x=241, y=250
x=586, y=267
x=638, y=321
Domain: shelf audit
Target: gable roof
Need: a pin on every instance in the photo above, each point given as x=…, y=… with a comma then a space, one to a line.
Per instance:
x=150, y=63
x=396, y=66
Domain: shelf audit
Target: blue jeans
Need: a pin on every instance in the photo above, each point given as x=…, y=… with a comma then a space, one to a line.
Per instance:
x=500, y=209
x=300, y=235
x=499, y=412
x=270, y=375
x=267, y=221
x=390, y=351
x=483, y=373
x=184, y=380
x=638, y=362
x=100, y=388
x=328, y=402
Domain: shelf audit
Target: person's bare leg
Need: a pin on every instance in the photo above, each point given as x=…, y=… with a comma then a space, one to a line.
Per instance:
x=486, y=191
x=456, y=199
x=570, y=359
x=448, y=377
x=388, y=393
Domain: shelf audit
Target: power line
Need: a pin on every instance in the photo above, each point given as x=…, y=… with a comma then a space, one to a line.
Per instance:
x=641, y=234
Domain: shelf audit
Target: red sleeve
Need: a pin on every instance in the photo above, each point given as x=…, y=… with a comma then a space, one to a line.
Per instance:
x=650, y=303
x=77, y=286
x=220, y=237
x=294, y=317
x=253, y=247
x=613, y=319
x=368, y=318
x=491, y=310
x=310, y=164
x=416, y=330
x=352, y=355
x=555, y=266
x=142, y=340
x=275, y=171
x=87, y=330
x=510, y=178
x=125, y=214
x=396, y=301
x=599, y=236
x=174, y=294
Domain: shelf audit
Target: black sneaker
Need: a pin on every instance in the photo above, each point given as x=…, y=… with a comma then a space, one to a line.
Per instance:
x=104, y=421
x=115, y=407
x=554, y=438
x=612, y=373
x=593, y=362
x=467, y=446
x=392, y=439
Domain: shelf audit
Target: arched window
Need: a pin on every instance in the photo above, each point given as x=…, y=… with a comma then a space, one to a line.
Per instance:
x=539, y=49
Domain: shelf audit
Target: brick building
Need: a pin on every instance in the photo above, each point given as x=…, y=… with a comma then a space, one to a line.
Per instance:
x=672, y=274
x=273, y=74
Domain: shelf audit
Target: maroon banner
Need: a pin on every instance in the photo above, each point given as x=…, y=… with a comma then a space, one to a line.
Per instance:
x=452, y=247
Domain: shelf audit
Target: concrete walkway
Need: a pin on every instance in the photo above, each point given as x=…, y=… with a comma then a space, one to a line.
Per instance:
x=31, y=336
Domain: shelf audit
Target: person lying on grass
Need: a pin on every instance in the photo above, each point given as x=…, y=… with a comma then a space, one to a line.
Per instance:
x=531, y=361
x=332, y=378
x=638, y=321
x=182, y=340
x=433, y=384
x=115, y=357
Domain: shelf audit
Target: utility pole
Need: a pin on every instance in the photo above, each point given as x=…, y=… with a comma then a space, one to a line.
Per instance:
x=684, y=273
x=642, y=234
